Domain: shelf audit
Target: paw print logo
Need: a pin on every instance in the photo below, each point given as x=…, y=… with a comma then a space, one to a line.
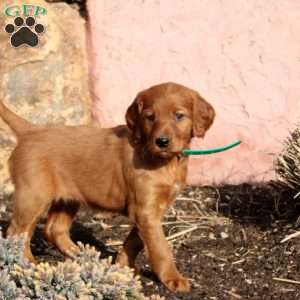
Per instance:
x=24, y=32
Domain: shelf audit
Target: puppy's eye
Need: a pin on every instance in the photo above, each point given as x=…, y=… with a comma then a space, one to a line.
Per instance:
x=150, y=116
x=179, y=116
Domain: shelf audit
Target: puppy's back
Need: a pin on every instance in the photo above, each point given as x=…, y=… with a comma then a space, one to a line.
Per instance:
x=73, y=162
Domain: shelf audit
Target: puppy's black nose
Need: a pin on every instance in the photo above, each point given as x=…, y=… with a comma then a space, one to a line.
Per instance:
x=162, y=142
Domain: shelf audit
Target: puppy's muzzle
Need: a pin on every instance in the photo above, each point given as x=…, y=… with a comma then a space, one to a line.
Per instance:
x=162, y=142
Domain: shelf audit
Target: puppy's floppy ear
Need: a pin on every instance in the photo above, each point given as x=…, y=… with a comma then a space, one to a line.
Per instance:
x=132, y=115
x=203, y=115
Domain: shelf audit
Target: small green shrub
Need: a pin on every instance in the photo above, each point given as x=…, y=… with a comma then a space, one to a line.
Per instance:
x=86, y=278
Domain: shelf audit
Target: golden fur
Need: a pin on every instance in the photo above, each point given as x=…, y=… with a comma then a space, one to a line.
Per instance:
x=124, y=169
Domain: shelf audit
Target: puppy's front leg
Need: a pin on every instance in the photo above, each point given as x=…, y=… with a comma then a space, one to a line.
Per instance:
x=131, y=248
x=161, y=258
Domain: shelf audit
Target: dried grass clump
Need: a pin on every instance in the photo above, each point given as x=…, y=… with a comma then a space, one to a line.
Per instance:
x=287, y=163
x=86, y=278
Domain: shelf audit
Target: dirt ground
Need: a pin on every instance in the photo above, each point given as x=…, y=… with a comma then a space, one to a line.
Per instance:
x=226, y=240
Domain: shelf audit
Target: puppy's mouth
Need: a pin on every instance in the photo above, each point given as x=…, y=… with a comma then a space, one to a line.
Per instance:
x=165, y=153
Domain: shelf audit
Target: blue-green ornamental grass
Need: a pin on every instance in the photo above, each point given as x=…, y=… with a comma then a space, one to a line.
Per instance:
x=85, y=278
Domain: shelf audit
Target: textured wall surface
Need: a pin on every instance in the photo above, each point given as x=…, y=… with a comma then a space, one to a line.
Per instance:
x=48, y=83
x=242, y=56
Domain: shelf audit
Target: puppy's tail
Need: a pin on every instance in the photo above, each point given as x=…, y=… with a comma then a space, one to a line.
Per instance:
x=18, y=125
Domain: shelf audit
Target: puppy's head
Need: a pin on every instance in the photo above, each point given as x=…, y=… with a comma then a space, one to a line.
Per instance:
x=165, y=117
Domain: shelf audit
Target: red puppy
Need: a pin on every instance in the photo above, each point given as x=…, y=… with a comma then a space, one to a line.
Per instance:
x=135, y=170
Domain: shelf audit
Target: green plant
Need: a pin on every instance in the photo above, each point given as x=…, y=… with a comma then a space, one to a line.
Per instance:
x=11, y=252
x=85, y=278
x=8, y=288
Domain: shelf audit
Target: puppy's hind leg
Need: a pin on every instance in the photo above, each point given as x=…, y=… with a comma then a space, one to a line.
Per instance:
x=28, y=208
x=58, y=226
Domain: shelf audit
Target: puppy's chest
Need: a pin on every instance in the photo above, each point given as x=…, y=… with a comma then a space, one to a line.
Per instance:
x=172, y=184
x=175, y=176
x=175, y=190
x=166, y=196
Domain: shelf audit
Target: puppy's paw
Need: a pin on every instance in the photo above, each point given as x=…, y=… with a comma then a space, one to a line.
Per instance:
x=178, y=284
x=72, y=251
x=123, y=260
x=67, y=247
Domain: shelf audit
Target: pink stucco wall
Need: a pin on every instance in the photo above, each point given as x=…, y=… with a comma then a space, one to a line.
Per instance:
x=242, y=56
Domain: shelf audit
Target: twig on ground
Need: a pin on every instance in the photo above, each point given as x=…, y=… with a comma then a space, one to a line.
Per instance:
x=234, y=295
x=244, y=234
x=198, y=209
x=182, y=221
x=218, y=200
x=169, y=238
x=290, y=236
x=238, y=261
x=114, y=243
x=181, y=233
x=212, y=255
x=175, y=222
x=188, y=199
x=286, y=280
